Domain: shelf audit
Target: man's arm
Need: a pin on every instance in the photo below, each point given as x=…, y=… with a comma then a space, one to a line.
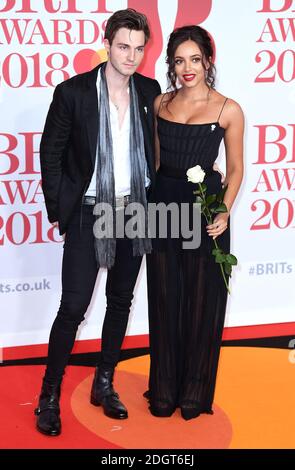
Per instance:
x=157, y=88
x=53, y=144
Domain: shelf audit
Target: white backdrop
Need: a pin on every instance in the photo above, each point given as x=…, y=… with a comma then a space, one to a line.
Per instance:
x=44, y=42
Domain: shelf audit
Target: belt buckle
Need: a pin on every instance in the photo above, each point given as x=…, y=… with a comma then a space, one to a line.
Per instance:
x=89, y=200
x=120, y=203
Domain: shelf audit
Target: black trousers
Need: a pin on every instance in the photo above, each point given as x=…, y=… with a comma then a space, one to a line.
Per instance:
x=79, y=273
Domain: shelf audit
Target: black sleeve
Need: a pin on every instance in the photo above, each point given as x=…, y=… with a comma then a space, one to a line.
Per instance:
x=157, y=88
x=53, y=144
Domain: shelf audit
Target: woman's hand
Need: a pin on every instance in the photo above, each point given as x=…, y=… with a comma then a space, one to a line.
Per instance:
x=216, y=168
x=219, y=225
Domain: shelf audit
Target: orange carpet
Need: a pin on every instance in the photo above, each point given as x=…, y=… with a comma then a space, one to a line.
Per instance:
x=253, y=408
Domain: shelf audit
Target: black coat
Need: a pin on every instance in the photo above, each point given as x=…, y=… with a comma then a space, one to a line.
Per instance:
x=69, y=140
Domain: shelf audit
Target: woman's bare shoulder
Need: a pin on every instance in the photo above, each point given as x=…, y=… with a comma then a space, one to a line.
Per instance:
x=231, y=105
x=231, y=111
x=161, y=100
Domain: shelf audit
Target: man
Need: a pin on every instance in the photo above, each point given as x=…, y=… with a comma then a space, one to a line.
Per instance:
x=97, y=147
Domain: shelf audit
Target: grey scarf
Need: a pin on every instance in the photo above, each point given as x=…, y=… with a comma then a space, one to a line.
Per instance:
x=105, y=247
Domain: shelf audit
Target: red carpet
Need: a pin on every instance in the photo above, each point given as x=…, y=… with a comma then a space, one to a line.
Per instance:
x=254, y=408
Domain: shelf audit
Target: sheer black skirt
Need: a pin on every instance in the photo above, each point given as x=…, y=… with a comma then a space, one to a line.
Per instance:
x=187, y=303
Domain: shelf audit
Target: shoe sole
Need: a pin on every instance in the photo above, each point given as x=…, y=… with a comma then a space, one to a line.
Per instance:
x=54, y=433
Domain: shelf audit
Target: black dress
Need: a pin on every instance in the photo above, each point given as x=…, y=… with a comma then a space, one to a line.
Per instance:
x=186, y=292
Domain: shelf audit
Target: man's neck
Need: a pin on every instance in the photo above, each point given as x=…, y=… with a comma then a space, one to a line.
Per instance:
x=117, y=82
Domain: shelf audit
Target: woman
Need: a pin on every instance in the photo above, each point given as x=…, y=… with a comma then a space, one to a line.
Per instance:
x=187, y=295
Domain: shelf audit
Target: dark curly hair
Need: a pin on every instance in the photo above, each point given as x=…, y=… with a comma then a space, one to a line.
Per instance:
x=202, y=39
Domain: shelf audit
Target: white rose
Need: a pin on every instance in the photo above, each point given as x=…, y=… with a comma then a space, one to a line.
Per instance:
x=195, y=174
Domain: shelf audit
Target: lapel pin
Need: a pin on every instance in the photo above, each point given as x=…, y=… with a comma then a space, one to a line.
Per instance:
x=213, y=127
x=145, y=108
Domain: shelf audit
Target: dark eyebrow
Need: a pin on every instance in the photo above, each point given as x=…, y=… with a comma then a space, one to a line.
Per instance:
x=127, y=45
x=192, y=56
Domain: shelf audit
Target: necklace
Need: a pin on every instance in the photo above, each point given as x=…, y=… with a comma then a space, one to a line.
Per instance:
x=115, y=104
x=111, y=99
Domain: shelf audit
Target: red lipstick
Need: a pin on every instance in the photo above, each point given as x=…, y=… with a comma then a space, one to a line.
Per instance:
x=188, y=77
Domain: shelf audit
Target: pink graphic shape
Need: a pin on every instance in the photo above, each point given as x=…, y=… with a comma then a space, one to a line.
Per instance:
x=192, y=12
x=154, y=46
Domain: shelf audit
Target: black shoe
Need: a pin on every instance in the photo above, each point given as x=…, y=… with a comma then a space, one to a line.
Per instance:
x=159, y=408
x=48, y=419
x=190, y=411
x=103, y=394
x=162, y=410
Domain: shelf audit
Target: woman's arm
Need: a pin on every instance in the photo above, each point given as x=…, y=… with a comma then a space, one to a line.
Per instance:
x=233, y=141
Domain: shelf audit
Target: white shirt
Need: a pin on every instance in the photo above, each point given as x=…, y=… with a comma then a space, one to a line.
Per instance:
x=121, y=154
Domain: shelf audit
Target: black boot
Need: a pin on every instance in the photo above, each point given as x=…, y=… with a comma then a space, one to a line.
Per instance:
x=102, y=393
x=48, y=420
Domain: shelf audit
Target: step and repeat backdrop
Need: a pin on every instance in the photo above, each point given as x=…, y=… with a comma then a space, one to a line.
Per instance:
x=43, y=42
